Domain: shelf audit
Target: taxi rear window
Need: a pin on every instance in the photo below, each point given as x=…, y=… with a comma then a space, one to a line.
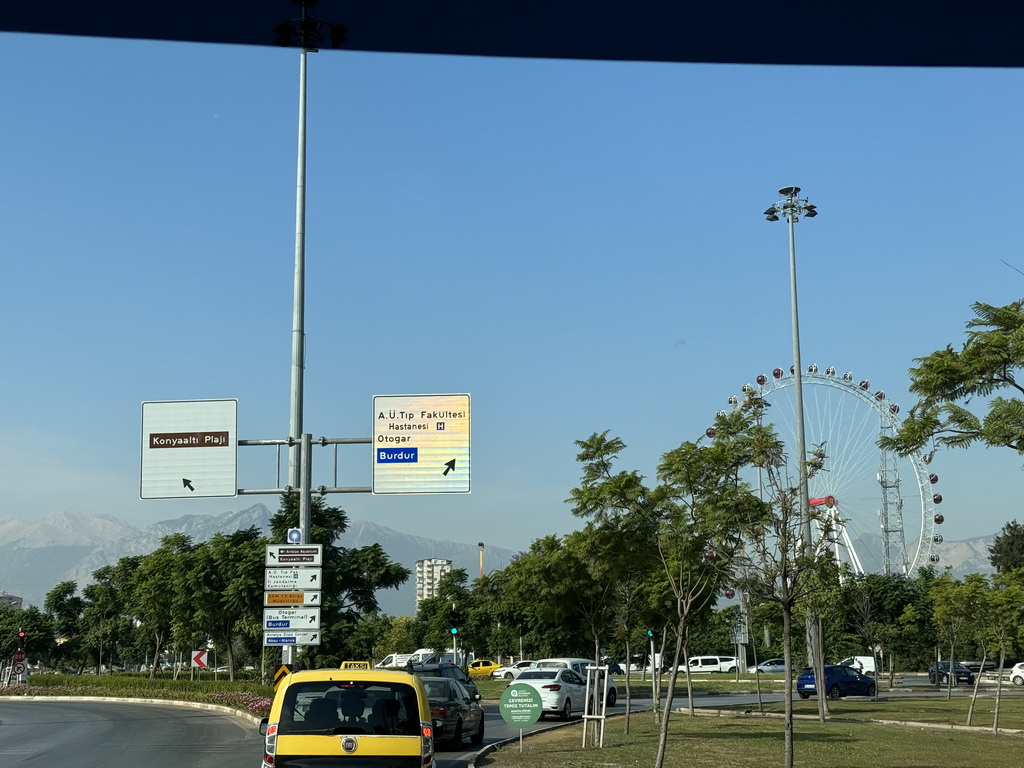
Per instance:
x=338, y=707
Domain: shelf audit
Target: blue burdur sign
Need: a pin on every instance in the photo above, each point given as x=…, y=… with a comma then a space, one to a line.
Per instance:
x=398, y=455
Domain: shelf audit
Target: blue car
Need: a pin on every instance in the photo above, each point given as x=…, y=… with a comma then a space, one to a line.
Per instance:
x=839, y=681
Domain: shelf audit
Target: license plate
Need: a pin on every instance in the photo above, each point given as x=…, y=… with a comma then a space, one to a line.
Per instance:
x=808, y=685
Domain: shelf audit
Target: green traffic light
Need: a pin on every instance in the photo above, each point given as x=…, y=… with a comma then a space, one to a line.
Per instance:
x=455, y=630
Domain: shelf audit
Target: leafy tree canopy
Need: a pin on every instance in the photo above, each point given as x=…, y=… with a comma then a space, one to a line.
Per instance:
x=948, y=380
x=1007, y=550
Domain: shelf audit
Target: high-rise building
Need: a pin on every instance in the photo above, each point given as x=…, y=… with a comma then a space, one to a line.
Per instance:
x=428, y=574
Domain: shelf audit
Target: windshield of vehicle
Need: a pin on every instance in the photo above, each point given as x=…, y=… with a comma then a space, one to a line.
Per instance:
x=332, y=707
x=538, y=674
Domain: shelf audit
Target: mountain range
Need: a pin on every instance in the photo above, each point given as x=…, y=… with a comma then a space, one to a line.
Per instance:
x=39, y=553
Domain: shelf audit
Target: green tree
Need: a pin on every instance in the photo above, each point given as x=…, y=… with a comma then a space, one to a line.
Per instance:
x=948, y=380
x=957, y=614
x=159, y=590
x=693, y=517
x=1007, y=550
x=64, y=606
x=226, y=586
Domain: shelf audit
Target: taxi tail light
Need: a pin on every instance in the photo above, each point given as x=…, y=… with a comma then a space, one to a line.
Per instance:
x=552, y=687
x=426, y=742
x=270, y=747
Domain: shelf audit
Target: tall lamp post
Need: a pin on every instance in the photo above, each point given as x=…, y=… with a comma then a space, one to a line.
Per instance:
x=791, y=207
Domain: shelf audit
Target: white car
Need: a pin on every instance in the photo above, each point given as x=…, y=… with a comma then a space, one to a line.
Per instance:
x=513, y=671
x=1017, y=674
x=561, y=690
x=579, y=666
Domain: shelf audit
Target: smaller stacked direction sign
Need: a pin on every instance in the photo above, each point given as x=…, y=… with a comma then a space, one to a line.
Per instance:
x=292, y=594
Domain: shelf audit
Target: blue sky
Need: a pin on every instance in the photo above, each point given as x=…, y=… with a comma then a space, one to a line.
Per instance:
x=578, y=245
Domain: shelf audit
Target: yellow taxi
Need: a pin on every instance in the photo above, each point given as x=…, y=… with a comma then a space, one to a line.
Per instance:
x=482, y=667
x=349, y=717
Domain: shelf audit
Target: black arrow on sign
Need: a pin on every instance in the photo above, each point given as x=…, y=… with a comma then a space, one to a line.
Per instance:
x=450, y=466
x=188, y=484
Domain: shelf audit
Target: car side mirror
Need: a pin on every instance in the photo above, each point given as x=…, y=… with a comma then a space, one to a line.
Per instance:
x=263, y=726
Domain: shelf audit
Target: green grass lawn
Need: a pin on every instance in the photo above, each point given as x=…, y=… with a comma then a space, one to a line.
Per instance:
x=757, y=741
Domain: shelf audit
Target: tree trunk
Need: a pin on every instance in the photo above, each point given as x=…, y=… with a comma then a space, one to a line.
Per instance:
x=999, y=688
x=659, y=761
x=787, y=651
x=629, y=659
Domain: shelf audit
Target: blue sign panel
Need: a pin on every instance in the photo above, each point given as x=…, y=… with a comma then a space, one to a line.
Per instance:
x=279, y=624
x=397, y=455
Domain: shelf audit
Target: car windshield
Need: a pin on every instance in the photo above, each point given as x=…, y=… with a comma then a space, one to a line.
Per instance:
x=807, y=671
x=538, y=674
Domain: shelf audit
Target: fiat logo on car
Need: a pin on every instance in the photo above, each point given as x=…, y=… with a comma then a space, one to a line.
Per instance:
x=348, y=744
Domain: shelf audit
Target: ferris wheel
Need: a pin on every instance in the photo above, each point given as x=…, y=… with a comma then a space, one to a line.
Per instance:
x=883, y=505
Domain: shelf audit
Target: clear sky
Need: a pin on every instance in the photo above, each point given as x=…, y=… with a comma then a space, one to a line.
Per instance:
x=578, y=245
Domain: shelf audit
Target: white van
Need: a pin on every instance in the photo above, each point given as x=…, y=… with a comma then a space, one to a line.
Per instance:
x=863, y=664
x=711, y=664
x=393, y=661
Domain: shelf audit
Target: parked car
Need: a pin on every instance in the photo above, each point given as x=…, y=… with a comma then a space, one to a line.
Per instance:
x=976, y=665
x=562, y=690
x=579, y=666
x=1017, y=674
x=482, y=667
x=456, y=712
x=450, y=671
x=512, y=671
x=771, y=667
x=711, y=664
x=863, y=664
x=839, y=681
x=938, y=673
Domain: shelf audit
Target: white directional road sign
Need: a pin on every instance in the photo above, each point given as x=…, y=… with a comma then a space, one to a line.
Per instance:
x=294, y=554
x=421, y=444
x=291, y=579
x=189, y=449
x=285, y=637
x=291, y=618
x=291, y=598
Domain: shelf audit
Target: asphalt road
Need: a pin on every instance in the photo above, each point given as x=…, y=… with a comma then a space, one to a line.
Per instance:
x=89, y=734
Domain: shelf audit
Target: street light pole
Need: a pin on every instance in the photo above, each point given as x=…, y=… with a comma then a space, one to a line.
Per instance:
x=792, y=207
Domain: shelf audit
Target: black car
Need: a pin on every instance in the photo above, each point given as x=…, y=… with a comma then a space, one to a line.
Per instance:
x=451, y=671
x=455, y=711
x=839, y=681
x=939, y=673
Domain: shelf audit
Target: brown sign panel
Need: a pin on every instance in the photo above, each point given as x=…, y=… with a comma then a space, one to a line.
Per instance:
x=189, y=440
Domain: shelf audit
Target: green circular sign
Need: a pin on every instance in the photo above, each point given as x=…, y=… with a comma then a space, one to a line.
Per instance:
x=520, y=705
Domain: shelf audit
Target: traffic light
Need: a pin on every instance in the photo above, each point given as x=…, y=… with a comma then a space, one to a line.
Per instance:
x=455, y=620
x=650, y=633
x=21, y=636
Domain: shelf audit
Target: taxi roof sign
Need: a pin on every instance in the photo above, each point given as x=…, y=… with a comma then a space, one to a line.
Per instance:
x=355, y=665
